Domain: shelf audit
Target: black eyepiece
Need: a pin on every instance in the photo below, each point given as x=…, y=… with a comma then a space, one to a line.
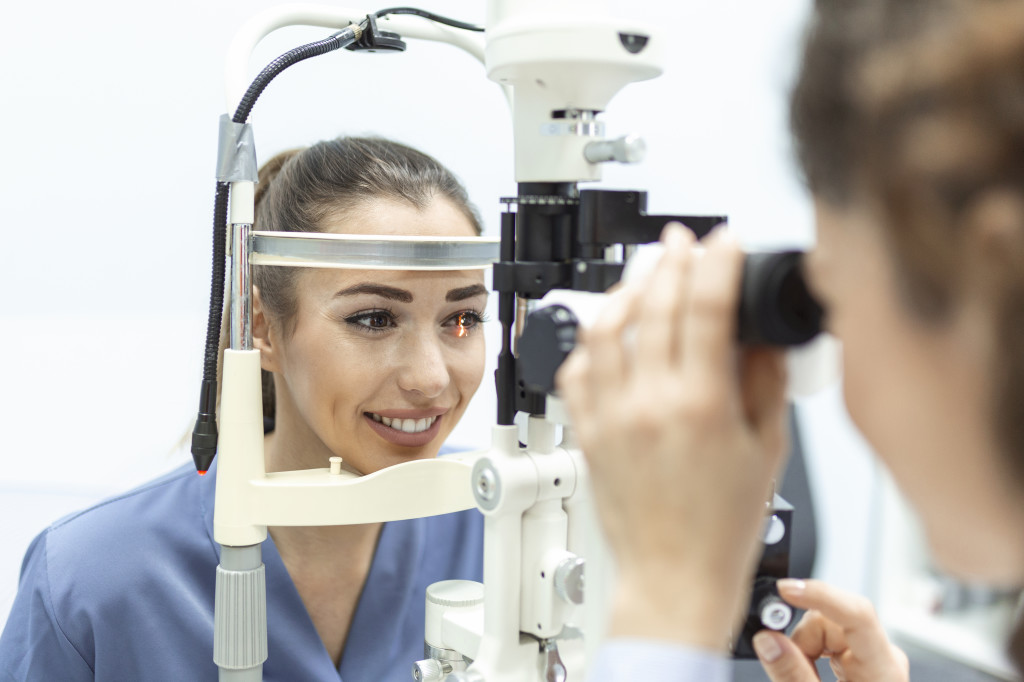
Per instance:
x=776, y=308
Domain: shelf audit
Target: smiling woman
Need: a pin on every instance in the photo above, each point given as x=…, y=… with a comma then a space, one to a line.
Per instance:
x=401, y=345
x=394, y=355
x=376, y=367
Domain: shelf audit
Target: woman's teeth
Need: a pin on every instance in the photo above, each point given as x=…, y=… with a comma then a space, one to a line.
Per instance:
x=407, y=425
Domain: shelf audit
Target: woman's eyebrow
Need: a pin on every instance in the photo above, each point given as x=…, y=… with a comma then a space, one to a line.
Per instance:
x=378, y=290
x=463, y=293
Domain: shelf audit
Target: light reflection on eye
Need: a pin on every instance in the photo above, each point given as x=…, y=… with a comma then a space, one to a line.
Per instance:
x=463, y=324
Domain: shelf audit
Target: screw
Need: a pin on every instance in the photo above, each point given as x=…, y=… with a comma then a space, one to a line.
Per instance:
x=485, y=484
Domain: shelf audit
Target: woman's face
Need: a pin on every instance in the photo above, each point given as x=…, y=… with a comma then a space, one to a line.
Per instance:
x=922, y=395
x=377, y=367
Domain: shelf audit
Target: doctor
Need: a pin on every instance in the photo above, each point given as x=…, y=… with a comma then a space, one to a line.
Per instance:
x=909, y=123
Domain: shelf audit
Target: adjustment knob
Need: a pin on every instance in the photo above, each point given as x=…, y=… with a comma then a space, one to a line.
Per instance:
x=775, y=613
x=443, y=597
x=548, y=338
x=430, y=670
x=569, y=583
x=626, y=149
x=455, y=593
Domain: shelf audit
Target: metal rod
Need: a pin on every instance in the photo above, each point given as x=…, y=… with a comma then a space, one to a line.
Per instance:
x=241, y=288
x=505, y=374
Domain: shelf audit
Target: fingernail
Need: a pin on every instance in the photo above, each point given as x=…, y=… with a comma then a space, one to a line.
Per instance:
x=768, y=650
x=674, y=235
x=791, y=587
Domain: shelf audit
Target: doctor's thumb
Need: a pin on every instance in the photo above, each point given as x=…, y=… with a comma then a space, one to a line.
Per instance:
x=781, y=659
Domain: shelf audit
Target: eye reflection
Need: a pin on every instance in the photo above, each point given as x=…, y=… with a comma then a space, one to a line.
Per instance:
x=463, y=324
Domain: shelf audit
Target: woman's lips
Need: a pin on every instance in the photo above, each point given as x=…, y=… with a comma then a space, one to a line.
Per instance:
x=404, y=438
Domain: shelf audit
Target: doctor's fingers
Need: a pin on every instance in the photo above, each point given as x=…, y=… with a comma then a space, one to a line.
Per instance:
x=661, y=310
x=816, y=636
x=850, y=667
x=710, y=331
x=853, y=613
x=606, y=352
x=782, y=660
x=572, y=383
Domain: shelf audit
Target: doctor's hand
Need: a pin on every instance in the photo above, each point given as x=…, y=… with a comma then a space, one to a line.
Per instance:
x=683, y=434
x=840, y=626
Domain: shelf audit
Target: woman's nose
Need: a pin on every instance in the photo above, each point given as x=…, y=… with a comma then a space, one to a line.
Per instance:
x=424, y=369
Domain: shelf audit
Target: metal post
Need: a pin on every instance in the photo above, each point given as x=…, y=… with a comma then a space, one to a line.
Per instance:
x=241, y=288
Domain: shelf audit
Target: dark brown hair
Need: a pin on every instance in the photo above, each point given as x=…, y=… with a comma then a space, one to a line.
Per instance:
x=918, y=106
x=827, y=123
x=300, y=188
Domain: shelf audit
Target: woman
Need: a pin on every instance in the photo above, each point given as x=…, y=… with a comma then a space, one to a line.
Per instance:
x=909, y=120
x=374, y=366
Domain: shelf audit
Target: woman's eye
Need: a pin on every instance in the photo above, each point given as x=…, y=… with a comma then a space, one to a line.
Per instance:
x=463, y=323
x=374, y=320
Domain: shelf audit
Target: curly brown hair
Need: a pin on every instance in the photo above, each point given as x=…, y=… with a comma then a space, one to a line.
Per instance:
x=918, y=106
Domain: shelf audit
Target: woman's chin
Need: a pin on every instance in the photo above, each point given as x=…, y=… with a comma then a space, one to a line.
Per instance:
x=384, y=457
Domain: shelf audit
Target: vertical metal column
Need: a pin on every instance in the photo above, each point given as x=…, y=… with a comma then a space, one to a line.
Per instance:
x=241, y=288
x=240, y=608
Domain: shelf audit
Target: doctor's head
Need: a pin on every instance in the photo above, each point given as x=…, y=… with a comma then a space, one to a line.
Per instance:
x=909, y=120
x=375, y=366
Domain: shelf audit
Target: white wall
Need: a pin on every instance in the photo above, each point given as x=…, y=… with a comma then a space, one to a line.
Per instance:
x=108, y=135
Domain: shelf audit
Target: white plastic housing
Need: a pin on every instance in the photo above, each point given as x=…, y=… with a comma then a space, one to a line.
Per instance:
x=455, y=616
x=243, y=206
x=555, y=61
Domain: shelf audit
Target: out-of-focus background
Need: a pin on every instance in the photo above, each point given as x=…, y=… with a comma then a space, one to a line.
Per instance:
x=108, y=133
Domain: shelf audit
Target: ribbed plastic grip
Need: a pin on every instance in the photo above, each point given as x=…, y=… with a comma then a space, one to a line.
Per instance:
x=240, y=620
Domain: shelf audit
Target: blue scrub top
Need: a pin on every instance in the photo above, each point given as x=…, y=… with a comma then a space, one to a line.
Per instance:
x=125, y=591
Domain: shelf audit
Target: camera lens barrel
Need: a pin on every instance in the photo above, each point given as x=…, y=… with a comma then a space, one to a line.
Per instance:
x=776, y=308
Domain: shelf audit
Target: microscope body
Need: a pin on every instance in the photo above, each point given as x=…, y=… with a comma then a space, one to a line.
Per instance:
x=527, y=621
x=560, y=62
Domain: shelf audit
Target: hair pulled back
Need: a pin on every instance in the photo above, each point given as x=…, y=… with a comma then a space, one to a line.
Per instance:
x=918, y=107
x=300, y=188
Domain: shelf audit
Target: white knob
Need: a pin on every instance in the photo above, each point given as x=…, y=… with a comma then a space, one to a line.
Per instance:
x=626, y=149
x=774, y=530
x=458, y=593
x=776, y=614
x=569, y=582
x=430, y=670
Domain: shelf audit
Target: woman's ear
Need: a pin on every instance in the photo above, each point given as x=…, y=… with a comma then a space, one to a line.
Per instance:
x=265, y=334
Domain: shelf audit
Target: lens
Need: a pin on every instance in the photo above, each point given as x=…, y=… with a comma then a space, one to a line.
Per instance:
x=776, y=308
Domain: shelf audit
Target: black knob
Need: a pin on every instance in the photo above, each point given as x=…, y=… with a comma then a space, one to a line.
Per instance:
x=548, y=338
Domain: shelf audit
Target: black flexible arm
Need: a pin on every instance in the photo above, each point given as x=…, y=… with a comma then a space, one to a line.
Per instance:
x=271, y=70
x=204, y=434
